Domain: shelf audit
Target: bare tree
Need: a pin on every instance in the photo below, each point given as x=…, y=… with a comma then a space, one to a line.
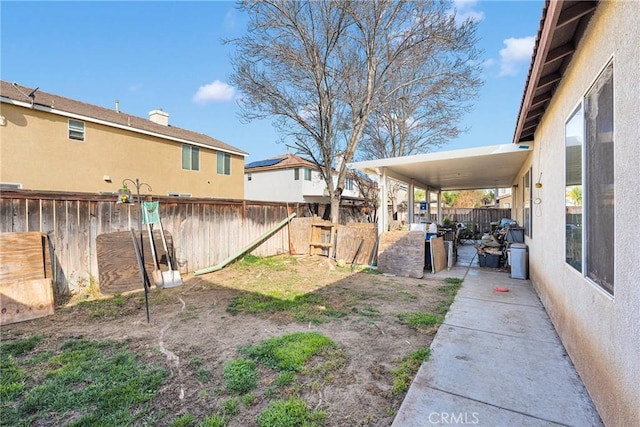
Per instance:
x=320, y=68
x=424, y=113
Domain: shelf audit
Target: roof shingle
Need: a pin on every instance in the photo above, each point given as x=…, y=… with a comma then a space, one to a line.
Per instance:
x=58, y=103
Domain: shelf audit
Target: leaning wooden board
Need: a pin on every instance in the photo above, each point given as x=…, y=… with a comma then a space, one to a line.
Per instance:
x=438, y=254
x=117, y=265
x=26, y=287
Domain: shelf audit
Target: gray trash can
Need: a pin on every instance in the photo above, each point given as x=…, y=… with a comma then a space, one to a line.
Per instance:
x=519, y=261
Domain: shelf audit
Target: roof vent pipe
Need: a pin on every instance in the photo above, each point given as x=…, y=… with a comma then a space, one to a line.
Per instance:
x=117, y=106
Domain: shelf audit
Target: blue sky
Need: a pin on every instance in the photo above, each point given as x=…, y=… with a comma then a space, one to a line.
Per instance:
x=169, y=54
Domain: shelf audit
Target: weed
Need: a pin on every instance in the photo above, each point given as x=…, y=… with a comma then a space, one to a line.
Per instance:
x=203, y=375
x=231, y=406
x=248, y=398
x=214, y=420
x=183, y=421
x=369, y=311
x=403, y=375
x=289, y=413
x=196, y=362
x=285, y=378
x=453, y=281
x=240, y=375
x=420, y=319
x=406, y=296
x=288, y=352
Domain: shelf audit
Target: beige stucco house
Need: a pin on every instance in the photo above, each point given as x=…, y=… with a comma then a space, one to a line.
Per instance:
x=580, y=110
x=53, y=143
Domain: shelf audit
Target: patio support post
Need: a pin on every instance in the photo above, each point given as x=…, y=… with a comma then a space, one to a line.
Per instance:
x=410, y=208
x=383, y=224
x=439, y=206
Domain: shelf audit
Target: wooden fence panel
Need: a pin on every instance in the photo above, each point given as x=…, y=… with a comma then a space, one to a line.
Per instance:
x=204, y=231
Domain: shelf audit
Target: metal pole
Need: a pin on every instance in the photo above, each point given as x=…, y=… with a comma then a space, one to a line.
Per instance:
x=146, y=282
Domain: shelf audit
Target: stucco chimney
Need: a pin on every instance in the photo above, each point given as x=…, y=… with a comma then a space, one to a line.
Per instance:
x=159, y=116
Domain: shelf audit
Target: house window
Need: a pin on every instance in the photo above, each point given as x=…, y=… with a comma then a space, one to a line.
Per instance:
x=296, y=174
x=249, y=176
x=349, y=184
x=589, y=184
x=526, y=202
x=224, y=163
x=76, y=130
x=190, y=158
x=307, y=174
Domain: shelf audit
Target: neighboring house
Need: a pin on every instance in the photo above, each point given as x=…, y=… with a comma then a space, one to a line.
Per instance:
x=290, y=178
x=52, y=143
x=580, y=190
x=505, y=201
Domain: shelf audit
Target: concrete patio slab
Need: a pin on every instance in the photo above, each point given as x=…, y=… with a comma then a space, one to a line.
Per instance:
x=496, y=361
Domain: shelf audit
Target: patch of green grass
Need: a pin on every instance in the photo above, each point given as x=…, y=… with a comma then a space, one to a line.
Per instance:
x=248, y=398
x=110, y=307
x=290, y=413
x=231, y=406
x=196, y=362
x=240, y=375
x=279, y=263
x=183, y=421
x=303, y=308
x=453, y=281
x=286, y=378
x=454, y=285
x=420, y=319
x=85, y=383
x=288, y=352
x=20, y=346
x=403, y=375
x=214, y=420
x=406, y=296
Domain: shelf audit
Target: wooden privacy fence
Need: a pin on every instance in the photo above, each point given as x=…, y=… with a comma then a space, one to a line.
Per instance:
x=477, y=217
x=204, y=231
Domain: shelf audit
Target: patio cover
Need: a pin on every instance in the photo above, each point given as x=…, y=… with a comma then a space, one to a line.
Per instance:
x=494, y=166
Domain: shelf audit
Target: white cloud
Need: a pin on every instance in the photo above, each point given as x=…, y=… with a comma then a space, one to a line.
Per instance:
x=466, y=9
x=516, y=52
x=135, y=87
x=212, y=92
x=230, y=20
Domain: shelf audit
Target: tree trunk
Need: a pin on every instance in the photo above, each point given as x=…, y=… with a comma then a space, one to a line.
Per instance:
x=335, y=216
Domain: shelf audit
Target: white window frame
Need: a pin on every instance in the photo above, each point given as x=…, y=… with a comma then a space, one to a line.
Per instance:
x=349, y=184
x=191, y=152
x=76, y=130
x=223, y=163
x=589, y=218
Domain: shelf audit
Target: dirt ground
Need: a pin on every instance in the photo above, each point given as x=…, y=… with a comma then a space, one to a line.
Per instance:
x=191, y=323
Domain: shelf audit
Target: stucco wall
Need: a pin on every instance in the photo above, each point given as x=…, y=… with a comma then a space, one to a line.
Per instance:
x=37, y=153
x=601, y=333
x=279, y=185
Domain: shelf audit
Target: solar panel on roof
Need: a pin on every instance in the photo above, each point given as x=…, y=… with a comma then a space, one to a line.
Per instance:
x=263, y=163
